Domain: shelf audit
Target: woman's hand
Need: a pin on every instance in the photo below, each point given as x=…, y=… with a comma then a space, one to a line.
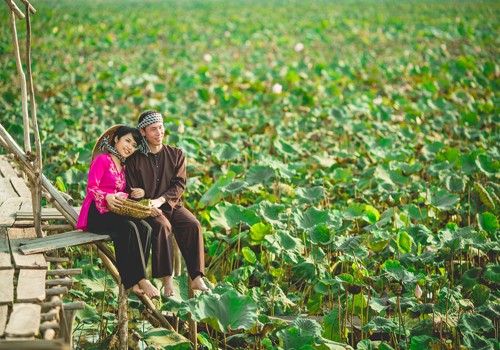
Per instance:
x=137, y=192
x=155, y=206
x=114, y=201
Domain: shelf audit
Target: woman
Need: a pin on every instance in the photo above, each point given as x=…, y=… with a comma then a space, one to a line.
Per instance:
x=106, y=181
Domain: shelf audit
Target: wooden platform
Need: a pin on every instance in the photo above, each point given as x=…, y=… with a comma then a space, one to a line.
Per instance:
x=28, y=289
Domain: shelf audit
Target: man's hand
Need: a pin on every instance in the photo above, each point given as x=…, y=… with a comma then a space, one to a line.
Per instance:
x=114, y=202
x=137, y=192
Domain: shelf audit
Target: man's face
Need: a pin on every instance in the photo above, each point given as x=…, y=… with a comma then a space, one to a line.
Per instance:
x=154, y=134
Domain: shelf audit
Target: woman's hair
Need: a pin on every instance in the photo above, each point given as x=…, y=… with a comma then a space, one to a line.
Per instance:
x=124, y=130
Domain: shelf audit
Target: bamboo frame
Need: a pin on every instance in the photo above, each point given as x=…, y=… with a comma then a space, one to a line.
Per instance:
x=34, y=169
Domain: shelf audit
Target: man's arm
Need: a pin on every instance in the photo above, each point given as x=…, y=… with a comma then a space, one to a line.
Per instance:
x=178, y=181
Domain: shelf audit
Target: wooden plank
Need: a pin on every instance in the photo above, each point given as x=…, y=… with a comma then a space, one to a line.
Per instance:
x=17, y=236
x=4, y=309
x=7, y=290
x=4, y=241
x=18, y=233
x=20, y=187
x=6, y=168
x=9, y=208
x=26, y=207
x=5, y=258
x=47, y=214
x=31, y=286
x=61, y=240
x=24, y=321
x=5, y=261
x=37, y=344
x=6, y=189
x=34, y=261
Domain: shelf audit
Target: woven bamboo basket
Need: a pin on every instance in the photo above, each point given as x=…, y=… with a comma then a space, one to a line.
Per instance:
x=133, y=209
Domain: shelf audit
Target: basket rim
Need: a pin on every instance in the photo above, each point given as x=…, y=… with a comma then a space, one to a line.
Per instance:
x=131, y=207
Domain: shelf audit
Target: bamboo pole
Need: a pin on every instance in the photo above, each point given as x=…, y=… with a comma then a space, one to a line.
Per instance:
x=36, y=181
x=15, y=9
x=193, y=327
x=123, y=318
x=22, y=78
x=29, y=7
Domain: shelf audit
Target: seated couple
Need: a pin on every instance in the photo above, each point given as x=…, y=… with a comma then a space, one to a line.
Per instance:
x=157, y=171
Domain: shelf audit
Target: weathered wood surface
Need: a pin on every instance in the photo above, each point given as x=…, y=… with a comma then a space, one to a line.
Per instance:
x=20, y=187
x=31, y=286
x=64, y=272
x=4, y=309
x=61, y=240
x=5, y=260
x=47, y=214
x=7, y=287
x=37, y=344
x=6, y=169
x=24, y=321
x=17, y=236
x=6, y=189
x=9, y=208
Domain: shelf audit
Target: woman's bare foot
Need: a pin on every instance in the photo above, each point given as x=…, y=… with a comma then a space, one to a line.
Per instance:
x=137, y=290
x=199, y=284
x=168, y=285
x=148, y=288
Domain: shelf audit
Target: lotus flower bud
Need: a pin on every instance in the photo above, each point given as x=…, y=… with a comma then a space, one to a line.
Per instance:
x=418, y=292
x=299, y=47
x=277, y=89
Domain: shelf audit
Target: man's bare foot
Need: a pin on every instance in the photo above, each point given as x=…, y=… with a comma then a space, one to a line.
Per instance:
x=148, y=288
x=137, y=290
x=168, y=285
x=199, y=284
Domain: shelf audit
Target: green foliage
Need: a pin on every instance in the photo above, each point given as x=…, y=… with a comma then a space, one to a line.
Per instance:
x=332, y=147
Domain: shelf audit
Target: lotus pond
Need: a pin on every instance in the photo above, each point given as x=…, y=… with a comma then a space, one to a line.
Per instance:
x=343, y=159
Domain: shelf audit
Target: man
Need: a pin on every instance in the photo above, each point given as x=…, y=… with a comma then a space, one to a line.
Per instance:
x=160, y=170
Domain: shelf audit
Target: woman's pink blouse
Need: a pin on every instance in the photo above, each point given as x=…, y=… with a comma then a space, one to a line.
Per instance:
x=104, y=178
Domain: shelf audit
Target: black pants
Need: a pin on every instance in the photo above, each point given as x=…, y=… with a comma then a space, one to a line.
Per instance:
x=132, y=241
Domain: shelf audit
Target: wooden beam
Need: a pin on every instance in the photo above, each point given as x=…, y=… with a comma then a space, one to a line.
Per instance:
x=61, y=240
x=38, y=344
x=64, y=272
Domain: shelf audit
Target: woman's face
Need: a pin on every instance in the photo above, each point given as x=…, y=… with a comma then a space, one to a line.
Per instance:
x=125, y=145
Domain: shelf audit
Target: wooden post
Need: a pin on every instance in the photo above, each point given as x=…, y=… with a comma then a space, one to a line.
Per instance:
x=36, y=181
x=193, y=327
x=22, y=78
x=123, y=318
